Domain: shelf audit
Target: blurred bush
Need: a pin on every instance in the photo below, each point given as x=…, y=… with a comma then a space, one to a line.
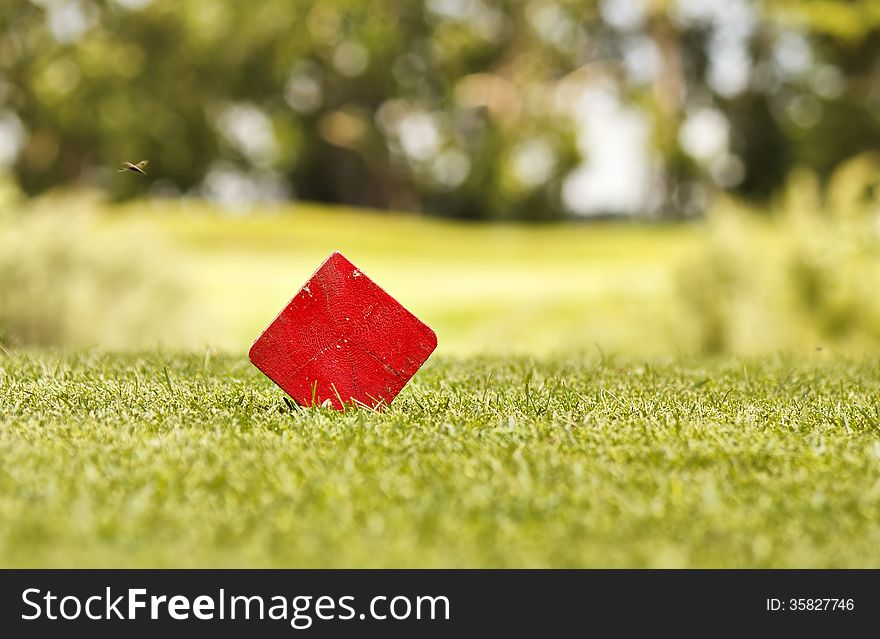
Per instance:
x=806, y=277
x=68, y=279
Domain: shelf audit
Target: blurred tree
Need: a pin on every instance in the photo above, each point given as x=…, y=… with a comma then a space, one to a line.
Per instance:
x=473, y=108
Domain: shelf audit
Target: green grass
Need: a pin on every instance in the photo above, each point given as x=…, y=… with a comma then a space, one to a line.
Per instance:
x=506, y=288
x=196, y=460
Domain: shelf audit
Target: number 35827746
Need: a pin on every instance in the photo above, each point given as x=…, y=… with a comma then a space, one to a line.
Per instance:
x=808, y=604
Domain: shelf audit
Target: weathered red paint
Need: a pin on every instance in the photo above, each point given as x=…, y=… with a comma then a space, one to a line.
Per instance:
x=344, y=340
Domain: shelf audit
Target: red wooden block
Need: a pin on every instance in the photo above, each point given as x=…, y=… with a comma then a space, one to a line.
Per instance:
x=342, y=339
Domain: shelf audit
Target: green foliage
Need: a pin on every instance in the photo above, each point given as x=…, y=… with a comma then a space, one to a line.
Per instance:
x=852, y=21
x=807, y=276
x=65, y=280
x=294, y=95
x=196, y=460
x=464, y=108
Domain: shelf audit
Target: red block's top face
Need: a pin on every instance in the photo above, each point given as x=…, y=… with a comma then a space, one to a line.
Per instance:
x=342, y=339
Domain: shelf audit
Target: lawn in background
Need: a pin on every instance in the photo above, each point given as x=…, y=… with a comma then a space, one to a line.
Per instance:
x=507, y=288
x=183, y=276
x=197, y=460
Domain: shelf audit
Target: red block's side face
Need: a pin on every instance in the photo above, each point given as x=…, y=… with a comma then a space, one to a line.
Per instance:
x=342, y=339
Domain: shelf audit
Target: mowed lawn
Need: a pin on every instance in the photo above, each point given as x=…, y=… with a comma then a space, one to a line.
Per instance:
x=197, y=460
x=502, y=288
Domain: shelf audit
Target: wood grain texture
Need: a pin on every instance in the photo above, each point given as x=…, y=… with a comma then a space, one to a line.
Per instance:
x=342, y=339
